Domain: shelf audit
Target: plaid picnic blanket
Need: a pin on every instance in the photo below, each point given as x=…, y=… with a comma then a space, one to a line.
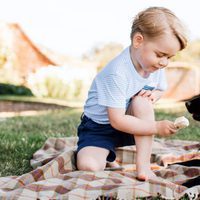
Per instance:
x=55, y=175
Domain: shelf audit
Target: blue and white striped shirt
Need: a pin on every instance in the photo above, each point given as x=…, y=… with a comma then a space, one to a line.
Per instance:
x=116, y=84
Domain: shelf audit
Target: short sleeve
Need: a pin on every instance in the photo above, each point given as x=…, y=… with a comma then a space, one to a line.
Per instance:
x=111, y=91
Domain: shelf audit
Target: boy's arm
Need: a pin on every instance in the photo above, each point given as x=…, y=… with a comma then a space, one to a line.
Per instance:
x=133, y=125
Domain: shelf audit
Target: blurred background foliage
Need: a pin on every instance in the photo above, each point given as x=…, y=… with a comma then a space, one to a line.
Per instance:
x=55, y=82
x=59, y=82
x=9, y=89
x=190, y=54
x=102, y=54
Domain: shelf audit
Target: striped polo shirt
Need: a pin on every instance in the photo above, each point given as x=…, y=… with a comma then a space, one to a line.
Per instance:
x=115, y=84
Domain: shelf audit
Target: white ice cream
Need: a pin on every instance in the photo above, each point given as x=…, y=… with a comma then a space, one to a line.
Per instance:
x=181, y=122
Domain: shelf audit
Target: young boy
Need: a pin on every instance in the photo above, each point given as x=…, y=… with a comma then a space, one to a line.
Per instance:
x=119, y=108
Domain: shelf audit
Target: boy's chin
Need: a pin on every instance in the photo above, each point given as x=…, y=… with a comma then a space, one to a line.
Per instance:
x=153, y=70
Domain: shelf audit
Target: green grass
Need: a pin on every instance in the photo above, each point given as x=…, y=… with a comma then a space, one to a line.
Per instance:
x=190, y=133
x=32, y=99
x=22, y=136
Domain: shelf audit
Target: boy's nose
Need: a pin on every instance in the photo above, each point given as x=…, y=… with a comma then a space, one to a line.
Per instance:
x=163, y=62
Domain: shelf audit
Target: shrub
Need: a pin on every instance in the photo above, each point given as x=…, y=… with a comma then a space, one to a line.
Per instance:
x=9, y=89
x=60, y=82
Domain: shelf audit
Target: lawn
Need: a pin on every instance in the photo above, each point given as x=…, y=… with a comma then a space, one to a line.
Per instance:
x=22, y=136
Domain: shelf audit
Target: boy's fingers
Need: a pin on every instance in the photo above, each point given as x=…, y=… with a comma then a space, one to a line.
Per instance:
x=141, y=92
x=145, y=93
x=174, y=130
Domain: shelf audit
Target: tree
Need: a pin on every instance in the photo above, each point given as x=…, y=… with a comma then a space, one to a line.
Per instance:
x=190, y=54
x=104, y=53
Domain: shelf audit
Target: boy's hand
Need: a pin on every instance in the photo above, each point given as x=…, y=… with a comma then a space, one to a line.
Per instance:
x=165, y=128
x=152, y=95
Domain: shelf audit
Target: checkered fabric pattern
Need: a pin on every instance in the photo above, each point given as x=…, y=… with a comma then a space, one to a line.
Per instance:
x=55, y=175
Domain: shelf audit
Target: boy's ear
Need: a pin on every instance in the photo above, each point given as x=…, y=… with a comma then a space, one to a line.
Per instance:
x=137, y=40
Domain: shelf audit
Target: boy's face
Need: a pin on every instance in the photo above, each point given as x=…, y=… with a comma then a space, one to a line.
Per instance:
x=153, y=54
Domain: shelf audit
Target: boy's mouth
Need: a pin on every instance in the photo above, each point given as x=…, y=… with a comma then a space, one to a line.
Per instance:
x=154, y=68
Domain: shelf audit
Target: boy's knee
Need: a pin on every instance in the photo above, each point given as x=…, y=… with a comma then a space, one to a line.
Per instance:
x=89, y=164
x=139, y=103
x=141, y=107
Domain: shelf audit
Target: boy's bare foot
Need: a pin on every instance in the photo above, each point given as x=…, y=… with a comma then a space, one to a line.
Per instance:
x=146, y=175
x=113, y=164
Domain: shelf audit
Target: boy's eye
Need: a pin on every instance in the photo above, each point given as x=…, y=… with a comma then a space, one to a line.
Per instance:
x=162, y=55
x=159, y=55
x=170, y=57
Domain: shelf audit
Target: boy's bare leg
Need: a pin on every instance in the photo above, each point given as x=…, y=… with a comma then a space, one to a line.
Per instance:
x=142, y=108
x=143, y=167
x=92, y=158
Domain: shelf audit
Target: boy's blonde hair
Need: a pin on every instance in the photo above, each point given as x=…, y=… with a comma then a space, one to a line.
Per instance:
x=155, y=21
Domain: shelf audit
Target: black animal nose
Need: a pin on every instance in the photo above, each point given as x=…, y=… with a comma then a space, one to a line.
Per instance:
x=187, y=104
x=196, y=117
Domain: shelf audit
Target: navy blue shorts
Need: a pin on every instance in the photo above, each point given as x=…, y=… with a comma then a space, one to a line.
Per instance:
x=105, y=136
